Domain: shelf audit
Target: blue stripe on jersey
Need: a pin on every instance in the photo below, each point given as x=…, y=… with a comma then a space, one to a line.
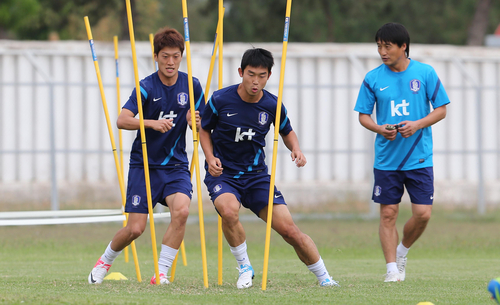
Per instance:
x=283, y=124
x=239, y=175
x=436, y=90
x=212, y=106
x=198, y=102
x=411, y=150
x=367, y=86
x=255, y=162
x=143, y=91
x=171, y=154
x=284, y=121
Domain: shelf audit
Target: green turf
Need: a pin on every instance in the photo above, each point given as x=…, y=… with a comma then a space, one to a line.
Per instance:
x=451, y=264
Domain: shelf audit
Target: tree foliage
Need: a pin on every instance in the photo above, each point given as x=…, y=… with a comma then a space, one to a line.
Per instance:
x=428, y=21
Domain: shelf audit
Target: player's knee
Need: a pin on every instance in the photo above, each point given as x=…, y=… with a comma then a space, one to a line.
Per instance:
x=135, y=232
x=228, y=215
x=424, y=216
x=180, y=214
x=290, y=233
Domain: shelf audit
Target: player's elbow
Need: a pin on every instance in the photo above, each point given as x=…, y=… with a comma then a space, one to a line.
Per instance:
x=441, y=112
x=120, y=123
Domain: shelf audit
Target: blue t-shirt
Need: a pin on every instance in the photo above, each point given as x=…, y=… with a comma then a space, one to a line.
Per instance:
x=401, y=96
x=165, y=150
x=239, y=129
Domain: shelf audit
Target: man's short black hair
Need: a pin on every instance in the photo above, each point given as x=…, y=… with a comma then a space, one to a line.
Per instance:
x=258, y=58
x=394, y=33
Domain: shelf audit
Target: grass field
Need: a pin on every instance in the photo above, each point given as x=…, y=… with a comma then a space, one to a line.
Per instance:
x=451, y=264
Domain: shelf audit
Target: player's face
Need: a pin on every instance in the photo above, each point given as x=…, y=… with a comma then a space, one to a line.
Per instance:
x=391, y=54
x=169, y=60
x=254, y=80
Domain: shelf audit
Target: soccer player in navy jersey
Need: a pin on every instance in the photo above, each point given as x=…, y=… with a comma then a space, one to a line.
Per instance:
x=402, y=91
x=234, y=126
x=165, y=98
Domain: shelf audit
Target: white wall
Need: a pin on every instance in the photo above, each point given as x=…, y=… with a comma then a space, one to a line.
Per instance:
x=321, y=86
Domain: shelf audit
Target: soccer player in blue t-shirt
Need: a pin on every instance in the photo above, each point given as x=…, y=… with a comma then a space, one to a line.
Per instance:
x=165, y=99
x=234, y=126
x=402, y=91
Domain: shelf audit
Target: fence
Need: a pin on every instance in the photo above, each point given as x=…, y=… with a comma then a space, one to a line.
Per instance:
x=54, y=142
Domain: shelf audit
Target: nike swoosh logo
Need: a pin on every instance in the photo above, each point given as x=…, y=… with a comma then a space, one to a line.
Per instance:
x=92, y=278
x=231, y=114
x=156, y=99
x=382, y=89
x=432, y=197
x=277, y=196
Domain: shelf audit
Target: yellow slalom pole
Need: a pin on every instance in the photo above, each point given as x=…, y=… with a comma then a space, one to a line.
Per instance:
x=143, y=138
x=118, y=110
x=207, y=90
x=183, y=253
x=195, y=143
x=151, y=41
x=209, y=79
x=220, y=236
x=111, y=137
x=275, y=146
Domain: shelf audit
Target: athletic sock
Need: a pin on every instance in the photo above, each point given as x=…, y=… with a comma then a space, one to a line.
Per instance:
x=319, y=270
x=109, y=255
x=241, y=255
x=402, y=250
x=392, y=267
x=167, y=256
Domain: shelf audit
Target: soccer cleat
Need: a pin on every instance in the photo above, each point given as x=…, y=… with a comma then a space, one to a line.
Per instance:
x=163, y=279
x=98, y=272
x=245, y=277
x=401, y=262
x=329, y=282
x=392, y=277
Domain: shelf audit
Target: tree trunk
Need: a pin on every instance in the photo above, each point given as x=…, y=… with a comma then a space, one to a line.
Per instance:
x=479, y=25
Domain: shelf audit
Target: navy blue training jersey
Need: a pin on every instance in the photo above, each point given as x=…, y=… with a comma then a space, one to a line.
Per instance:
x=239, y=129
x=165, y=150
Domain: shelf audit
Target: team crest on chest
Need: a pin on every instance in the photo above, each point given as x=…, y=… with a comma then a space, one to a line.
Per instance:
x=415, y=85
x=182, y=99
x=263, y=118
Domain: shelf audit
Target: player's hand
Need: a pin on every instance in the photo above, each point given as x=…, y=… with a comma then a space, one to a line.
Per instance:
x=214, y=167
x=388, y=133
x=299, y=158
x=162, y=125
x=408, y=128
x=197, y=118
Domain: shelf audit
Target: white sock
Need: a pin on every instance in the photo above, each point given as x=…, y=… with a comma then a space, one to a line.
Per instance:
x=392, y=267
x=402, y=250
x=167, y=256
x=109, y=255
x=319, y=270
x=241, y=255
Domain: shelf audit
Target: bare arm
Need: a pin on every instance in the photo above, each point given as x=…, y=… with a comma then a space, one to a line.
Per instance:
x=367, y=122
x=197, y=118
x=410, y=127
x=292, y=143
x=214, y=164
x=126, y=120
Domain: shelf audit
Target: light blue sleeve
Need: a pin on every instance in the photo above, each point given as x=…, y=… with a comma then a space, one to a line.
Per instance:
x=435, y=90
x=366, y=99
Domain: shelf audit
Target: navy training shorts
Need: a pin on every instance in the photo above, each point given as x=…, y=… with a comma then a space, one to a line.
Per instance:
x=389, y=186
x=251, y=190
x=164, y=182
